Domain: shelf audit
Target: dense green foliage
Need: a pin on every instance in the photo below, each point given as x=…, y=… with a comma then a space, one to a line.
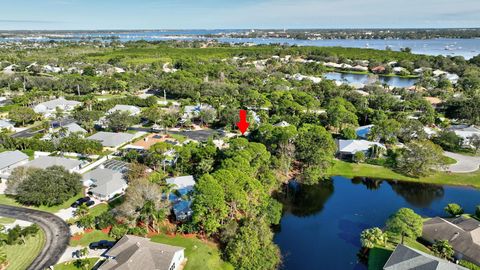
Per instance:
x=406, y=222
x=52, y=186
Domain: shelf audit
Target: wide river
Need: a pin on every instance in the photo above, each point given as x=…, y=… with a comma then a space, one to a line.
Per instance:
x=321, y=225
x=441, y=46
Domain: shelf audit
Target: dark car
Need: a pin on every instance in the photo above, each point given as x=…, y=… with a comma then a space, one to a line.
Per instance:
x=102, y=244
x=90, y=203
x=80, y=201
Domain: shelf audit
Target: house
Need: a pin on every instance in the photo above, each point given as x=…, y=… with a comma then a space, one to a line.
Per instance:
x=348, y=148
x=6, y=125
x=434, y=101
x=133, y=110
x=49, y=108
x=112, y=140
x=462, y=233
x=134, y=252
x=105, y=183
x=363, y=131
x=181, y=207
x=65, y=131
x=183, y=184
x=43, y=162
x=9, y=160
x=378, y=69
x=193, y=111
x=465, y=132
x=282, y=124
x=406, y=258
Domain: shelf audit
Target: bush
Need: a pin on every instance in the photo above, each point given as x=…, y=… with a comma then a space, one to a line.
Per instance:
x=405, y=221
x=448, y=140
x=359, y=157
x=477, y=211
x=453, y=209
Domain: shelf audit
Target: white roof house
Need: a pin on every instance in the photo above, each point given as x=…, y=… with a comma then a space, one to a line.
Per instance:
x=5, y=124
x=105, y=183
x=350, y=147
x=43, y=162
x=74, y=128
x=112, y=139
x=9, y=160
x=282, y=124
x=465, y=132
x=182, y=183
x=133, y=110
x=49, y=107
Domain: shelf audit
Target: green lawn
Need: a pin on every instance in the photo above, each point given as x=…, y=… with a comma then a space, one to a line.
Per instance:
x=347, y=169
x=20, y=256
x=99, y=209
x=377, y=257
x=70, y=266
x=52, y=209
x=6, y=220
x=90, y=237
x=200, y=255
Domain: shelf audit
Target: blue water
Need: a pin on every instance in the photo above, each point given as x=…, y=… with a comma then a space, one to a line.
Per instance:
x=369, y=79
x=321, y=228
x=442, y=46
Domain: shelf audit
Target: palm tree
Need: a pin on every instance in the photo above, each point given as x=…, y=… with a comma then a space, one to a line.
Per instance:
x=373, y=237
x=443, y=249
x=81, y=211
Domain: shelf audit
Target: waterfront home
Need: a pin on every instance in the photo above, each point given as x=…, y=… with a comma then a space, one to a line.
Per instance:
x=104, y=184
x=43, y=162
x=9, y=160
x=465, y=132
x=363, y=131
x=134, y=252
x=462, y=233
x=378, y=69
x=406, y=258
x=50, y=107
x=348, y=148
x=132, y=110
x=112, y=140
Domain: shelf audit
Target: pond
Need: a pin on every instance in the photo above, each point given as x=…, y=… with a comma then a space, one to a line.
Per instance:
x=370, y=79
x=321, y=225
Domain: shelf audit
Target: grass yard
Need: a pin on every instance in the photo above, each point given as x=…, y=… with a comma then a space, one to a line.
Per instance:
x=52, y=209
x=377, y=257
x=90, y=237
x=20, y=256
x=200, y=255
x=70, y=265
x=348, y=169
x=99, y=209
x=6, y=220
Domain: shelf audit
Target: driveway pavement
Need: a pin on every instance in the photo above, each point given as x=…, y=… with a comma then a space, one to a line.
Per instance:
x=465, y=164
x=57, y=233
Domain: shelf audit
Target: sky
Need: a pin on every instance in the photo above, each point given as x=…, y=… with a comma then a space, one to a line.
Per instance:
x=236, y=14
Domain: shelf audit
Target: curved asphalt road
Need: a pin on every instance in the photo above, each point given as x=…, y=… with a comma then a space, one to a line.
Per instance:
x=57, y=233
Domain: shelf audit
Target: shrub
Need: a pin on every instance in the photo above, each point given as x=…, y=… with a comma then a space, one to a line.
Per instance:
x=453, y=209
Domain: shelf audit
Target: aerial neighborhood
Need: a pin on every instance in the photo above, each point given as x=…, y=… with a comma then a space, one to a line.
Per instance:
x=200, y=154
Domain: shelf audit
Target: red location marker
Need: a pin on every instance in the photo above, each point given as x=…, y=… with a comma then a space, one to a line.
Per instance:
x=243, y=124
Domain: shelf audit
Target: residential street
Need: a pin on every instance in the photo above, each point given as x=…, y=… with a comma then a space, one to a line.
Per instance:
x=57, y=233
x=465, y=164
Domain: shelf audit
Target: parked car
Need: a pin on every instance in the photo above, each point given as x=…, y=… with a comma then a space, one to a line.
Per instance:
x=102, y=244
x=90, y=203
x=80, y=201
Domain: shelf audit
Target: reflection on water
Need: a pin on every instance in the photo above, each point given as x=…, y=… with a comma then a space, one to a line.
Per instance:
x=321, y=224
x=366, y=79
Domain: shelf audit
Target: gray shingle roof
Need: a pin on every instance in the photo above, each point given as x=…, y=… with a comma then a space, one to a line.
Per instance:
x=47, y=161
x=52, y=104
x=111, y=139
x=462, y=233
x=133, y=252
x=405, y=258
x=74, y=128
x=10, y=158
x=106, y=181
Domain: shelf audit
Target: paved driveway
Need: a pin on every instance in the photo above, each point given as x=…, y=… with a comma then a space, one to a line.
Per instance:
x=57, y=233
x=465, y=164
